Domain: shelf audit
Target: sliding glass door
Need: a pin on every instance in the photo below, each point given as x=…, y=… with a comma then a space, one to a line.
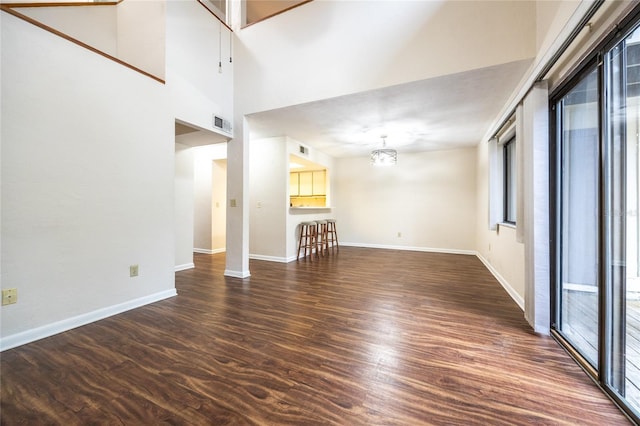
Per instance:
x=596, y=199
x=579, y=211
x=622, y=310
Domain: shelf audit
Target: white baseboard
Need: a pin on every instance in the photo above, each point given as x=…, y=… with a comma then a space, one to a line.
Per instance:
x=410, y=248
x=236, y=274
x=209, y=251
x=184, y=266
x=504, y=283
x=203, y=251
x=269, y=258
x=28, y=336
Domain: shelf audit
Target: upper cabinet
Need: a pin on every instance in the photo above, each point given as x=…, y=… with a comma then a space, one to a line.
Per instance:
x=319, y=182
x=294, y=190
x=306, y=184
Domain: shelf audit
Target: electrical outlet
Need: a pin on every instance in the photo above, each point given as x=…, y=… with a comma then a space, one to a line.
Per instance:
x=9, y=296
x=133, y=270
x=232, y=202
x=399, y=234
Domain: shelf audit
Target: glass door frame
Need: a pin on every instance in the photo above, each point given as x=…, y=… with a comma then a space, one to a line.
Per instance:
x=555, y=204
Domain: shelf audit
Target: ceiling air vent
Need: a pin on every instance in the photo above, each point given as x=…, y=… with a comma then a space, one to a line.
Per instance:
x=303, y=150
x=222, y=124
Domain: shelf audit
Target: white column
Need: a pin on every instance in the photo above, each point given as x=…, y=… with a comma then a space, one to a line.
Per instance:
x=238, y=201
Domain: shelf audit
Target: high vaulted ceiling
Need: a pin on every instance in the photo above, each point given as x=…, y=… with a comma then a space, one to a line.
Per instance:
x=447, y=112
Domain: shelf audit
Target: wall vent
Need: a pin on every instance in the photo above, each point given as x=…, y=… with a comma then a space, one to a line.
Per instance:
x=222, y=124
x=303, y=150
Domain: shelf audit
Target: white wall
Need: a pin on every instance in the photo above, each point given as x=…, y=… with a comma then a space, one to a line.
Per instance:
x=498, y=248
x=429, y=198
x=88, y=162
x=141, y=35
x=87, y=184
x=197, y=89
x=132, y=31
x=183, y=205
x=320, y=50
x=268, y=203
x=95, y=26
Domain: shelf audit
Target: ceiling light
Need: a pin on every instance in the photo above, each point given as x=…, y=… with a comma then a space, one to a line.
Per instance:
x=384, y=156
x=293, y=165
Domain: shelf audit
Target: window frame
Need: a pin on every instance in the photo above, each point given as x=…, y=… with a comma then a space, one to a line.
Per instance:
x=509, y=180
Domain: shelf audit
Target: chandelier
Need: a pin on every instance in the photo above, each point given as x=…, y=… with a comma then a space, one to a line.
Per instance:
x=384, y=156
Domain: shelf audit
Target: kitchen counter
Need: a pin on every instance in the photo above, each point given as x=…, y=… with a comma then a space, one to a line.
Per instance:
x=309, y=209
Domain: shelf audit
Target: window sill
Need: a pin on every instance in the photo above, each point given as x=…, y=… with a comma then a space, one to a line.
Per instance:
x=507, y=225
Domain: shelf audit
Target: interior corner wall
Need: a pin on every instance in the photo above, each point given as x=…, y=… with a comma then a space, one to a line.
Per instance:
x=87, y=184
x=269, y=182
x=498, y=248
x=426, y=202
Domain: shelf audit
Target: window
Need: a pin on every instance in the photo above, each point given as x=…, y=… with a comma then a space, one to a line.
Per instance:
x=503, y=174
x=510, y=176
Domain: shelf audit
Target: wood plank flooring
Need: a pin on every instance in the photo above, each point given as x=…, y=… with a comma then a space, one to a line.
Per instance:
x=360, y=337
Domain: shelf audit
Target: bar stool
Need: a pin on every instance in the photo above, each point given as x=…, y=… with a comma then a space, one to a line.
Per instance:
x=308, y=238
x=331, y=235
x=322, y=236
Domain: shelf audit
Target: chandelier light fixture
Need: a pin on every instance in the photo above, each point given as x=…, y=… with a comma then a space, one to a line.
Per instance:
x=384, y=156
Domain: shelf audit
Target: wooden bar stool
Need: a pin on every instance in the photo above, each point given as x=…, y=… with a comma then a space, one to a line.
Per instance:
x=322, y=236
x=331, y=235
x=308, y=238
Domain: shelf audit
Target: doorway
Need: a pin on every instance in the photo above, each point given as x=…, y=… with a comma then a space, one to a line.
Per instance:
x=199, y=193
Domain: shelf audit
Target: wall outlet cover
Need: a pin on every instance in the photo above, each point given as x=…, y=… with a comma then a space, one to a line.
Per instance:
x=9, y=296
x=133, y=270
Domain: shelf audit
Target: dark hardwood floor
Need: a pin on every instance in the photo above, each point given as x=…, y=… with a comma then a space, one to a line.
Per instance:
x=361, y=337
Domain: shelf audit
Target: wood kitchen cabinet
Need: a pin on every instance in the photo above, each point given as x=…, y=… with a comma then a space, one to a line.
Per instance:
x=319, y=182
x=308, y=189
x=305, y=183
x=294, y=190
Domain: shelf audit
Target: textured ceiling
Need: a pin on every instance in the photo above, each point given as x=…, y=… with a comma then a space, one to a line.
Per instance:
x=446, y=112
